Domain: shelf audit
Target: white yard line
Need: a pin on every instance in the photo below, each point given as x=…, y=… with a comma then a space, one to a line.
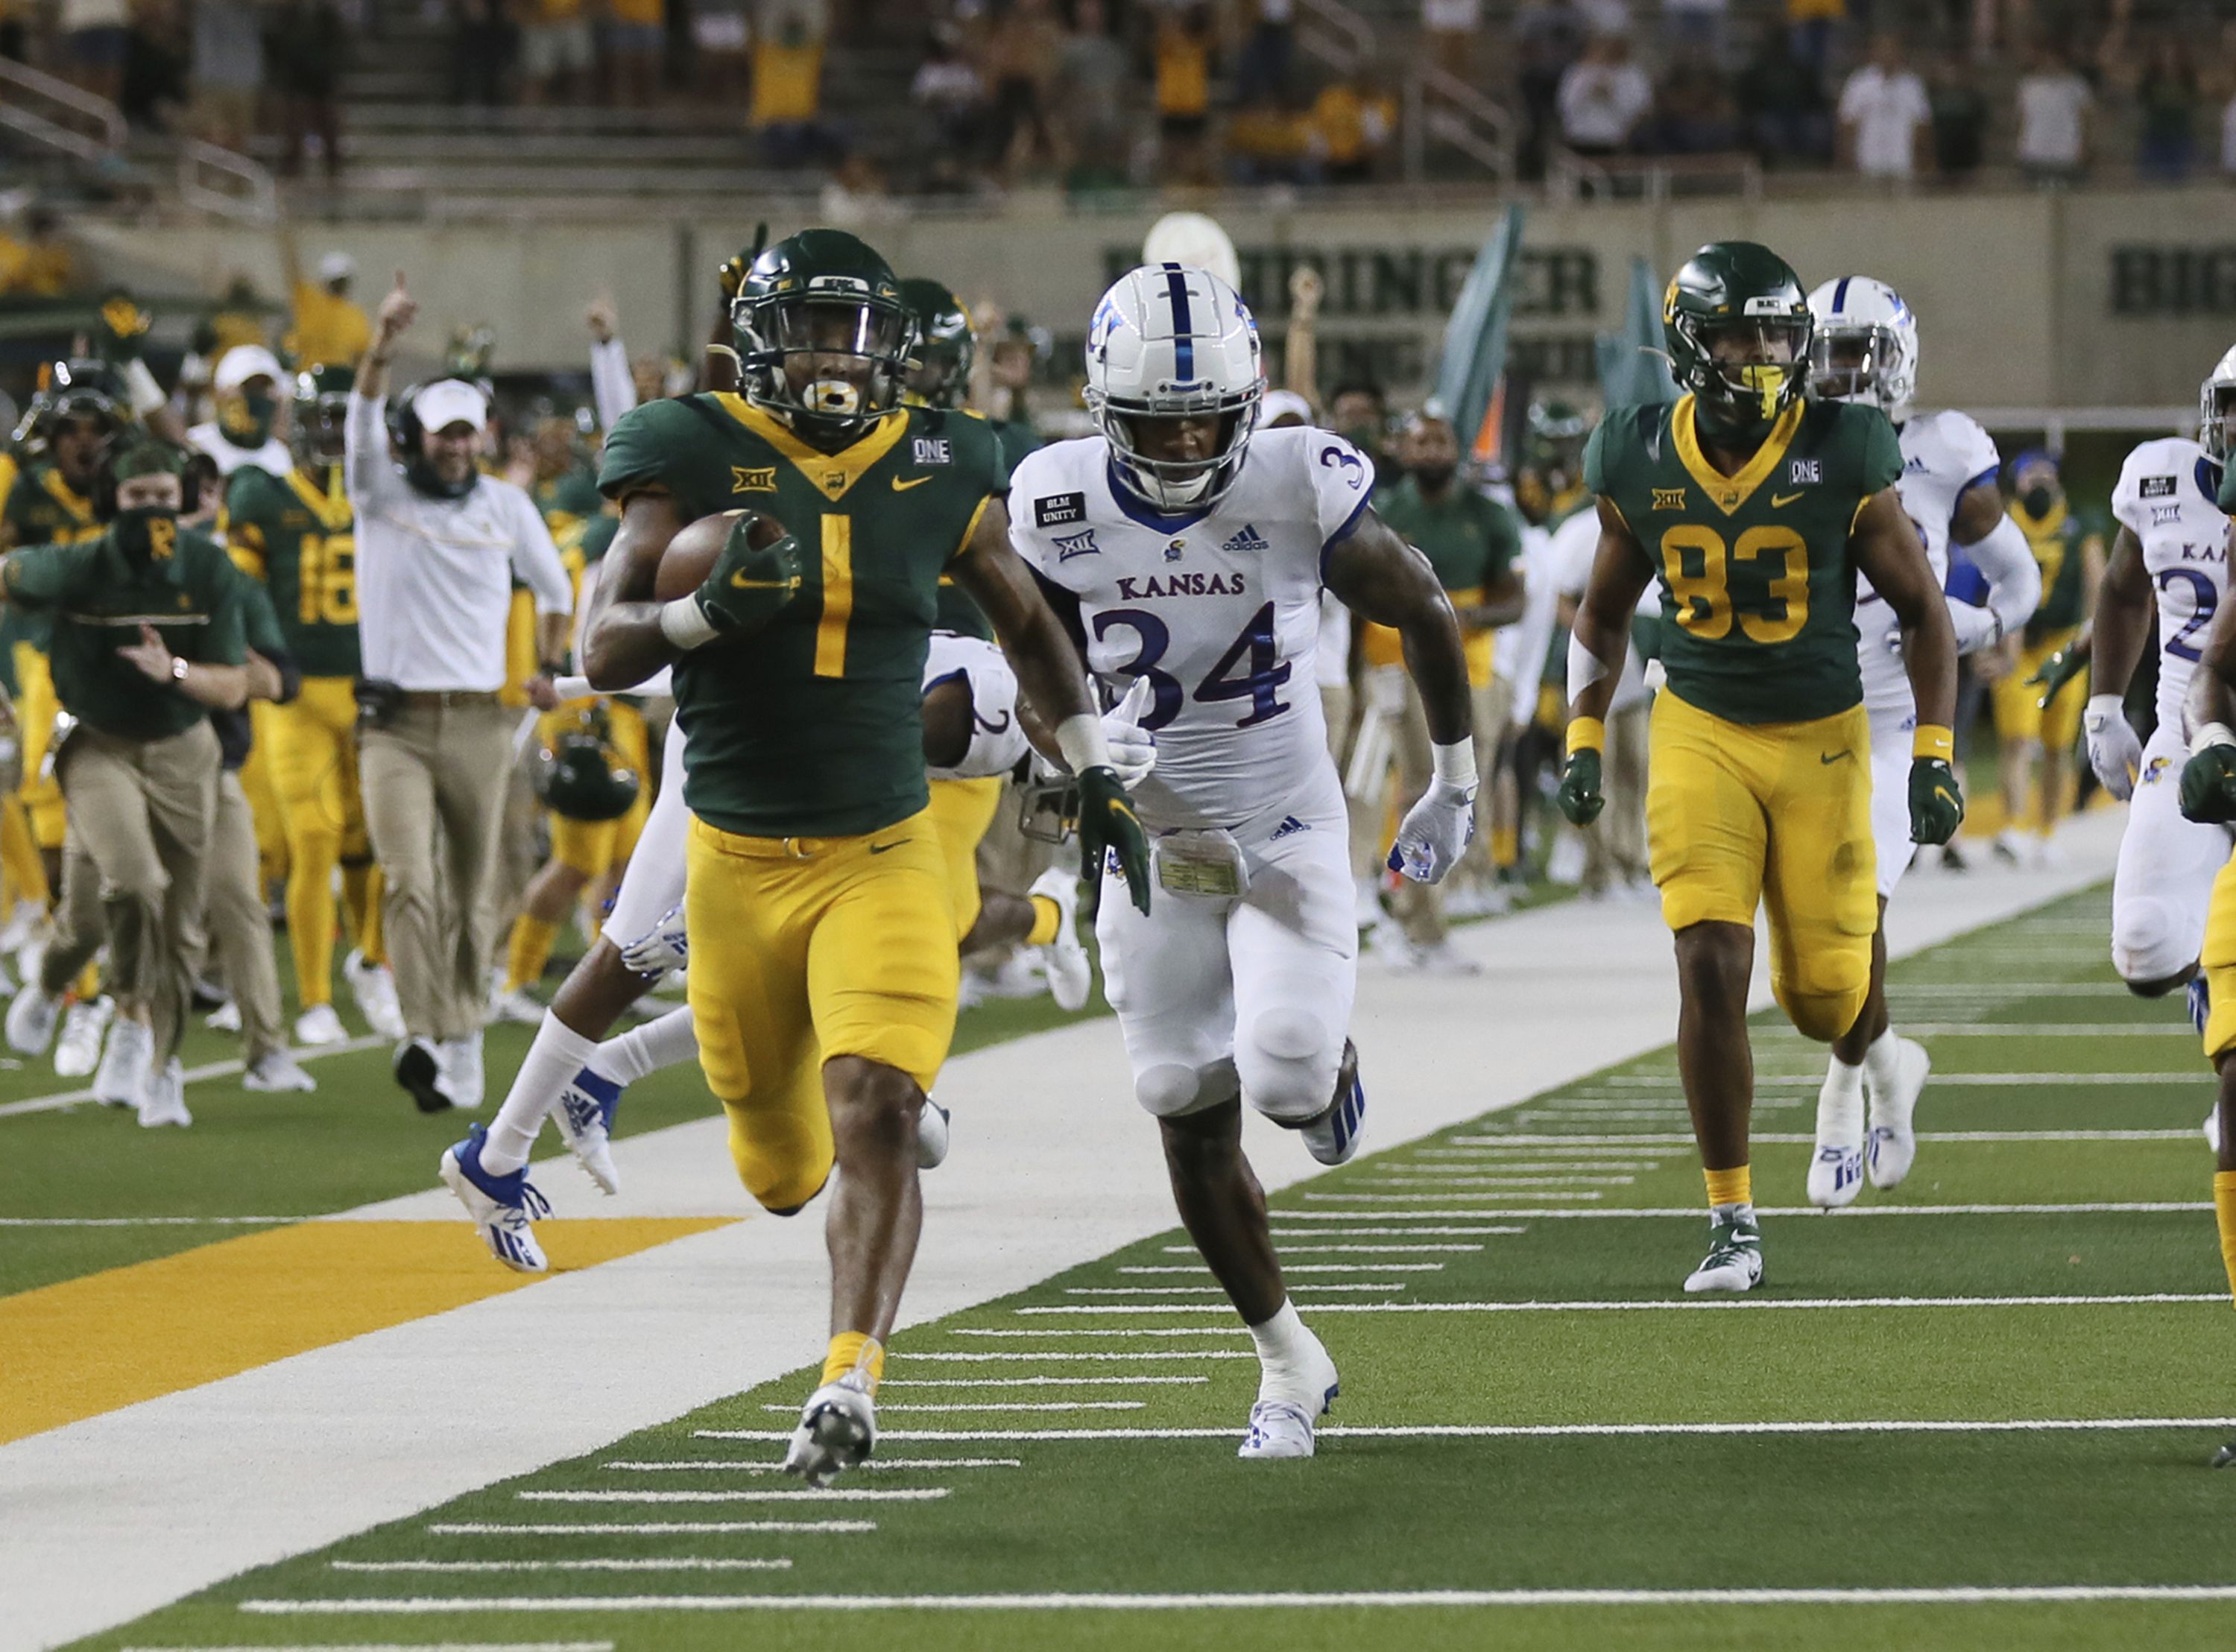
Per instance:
x=1997, y=1080
x=883, y=1465
x=892, y=1383
x=1417, y=1198
x=391, y=1646
x=2138, y=1207
x=193, y=1075
x=680, y=1562
x=1370, y=1250
x=1319, y=1267
x=1013, y=1356
x=637, y=1528
x=1218, y=1290
x=1794, y=1138
x=1380, y=1232
x=1007, y=1405
x=830, y=1494
x=1687, y=1304
x=1455, y=1175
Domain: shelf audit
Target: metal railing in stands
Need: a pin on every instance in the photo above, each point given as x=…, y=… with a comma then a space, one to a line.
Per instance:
x=1335, y=34
x=57, y=116
x=1569, y=176
x=226, y=184
x=1441, y=108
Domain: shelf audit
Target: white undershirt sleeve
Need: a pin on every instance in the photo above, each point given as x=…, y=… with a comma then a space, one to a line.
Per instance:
x=611, y=388
x=2014, y=587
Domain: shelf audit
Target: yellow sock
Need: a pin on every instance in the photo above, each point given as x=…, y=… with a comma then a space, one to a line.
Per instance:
x=1731, y=1187
x=853, y=1351
x=2224, y=1211
x=1046, y=916
x=530, y=951
x=89, y=984
x=19, y=857
x=1505, y=846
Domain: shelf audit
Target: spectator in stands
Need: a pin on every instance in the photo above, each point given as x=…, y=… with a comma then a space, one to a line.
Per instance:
x=1261, y=69
x=635, y=37
x=2228, y=138
x=1960, y=118
x=330, y=329
x=1449, y=31
x=1091, y=78
x=94, y=37
x=1697, y=26
x=309, y=48
x=788, y=103
x=1788, y=119
x=721, y=44
x=229, y=70
x=1813, y=29
x=1604, y=98
x=1548, y=37
x=1352, y=126
x=156, y=89
x=39, y=263
x=2054, y=103
x=1695, y=115
x=1267, y=142
x=556, y=47
x=483, y=51
x=1885, y=119
x=948, y=87
x=1183, y=92
x=1358, y=410
x=1021, y=60
x=2166, y=103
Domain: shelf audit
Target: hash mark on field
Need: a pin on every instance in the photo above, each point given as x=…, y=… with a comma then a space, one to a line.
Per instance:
x=1564, y=1430
x=1218, y=1290
x=1013, y=1355
x=1691, y=1304
x=1797, y=1138
x=680, y=1562
x=1022, y=1404
x=1327, y=1266
x=1417, y=1198
x=1383, y=1233
x=2136, y=1206
x=639, y=1528
x=1031, y=1382
x=882, y=1464
x=1397, y=1175
x=806, y=1494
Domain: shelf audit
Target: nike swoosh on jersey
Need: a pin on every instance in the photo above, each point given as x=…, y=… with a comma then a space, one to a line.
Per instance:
x=1828, y=758
x=879, y=848
x=1778, y=499
x=902, y=487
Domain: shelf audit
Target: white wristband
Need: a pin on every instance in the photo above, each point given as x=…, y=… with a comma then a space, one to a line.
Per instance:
x=684, y=623
x=2100, y=710
x=1085, y=745
x=1455, y=764
x=1585, y=667
x=2211, y=735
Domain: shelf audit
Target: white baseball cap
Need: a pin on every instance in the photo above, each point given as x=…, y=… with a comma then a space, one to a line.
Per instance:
x=1282, y=404
x=244, y=362
x=447, y=402
x=337, y=266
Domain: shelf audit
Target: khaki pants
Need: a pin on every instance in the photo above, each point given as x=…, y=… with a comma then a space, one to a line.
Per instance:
x=78, y=924
x=142, y=810
x=1614, y=846
x=237, y=921
x=433, y=782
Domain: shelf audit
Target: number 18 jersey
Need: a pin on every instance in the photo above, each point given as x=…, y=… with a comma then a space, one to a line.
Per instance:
x=1219, y=610
x=2166, y=497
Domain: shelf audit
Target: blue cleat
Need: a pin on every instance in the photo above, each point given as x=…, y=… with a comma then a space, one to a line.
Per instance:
x=585, y=1117
x=501, y=1206
x=1333, y=1137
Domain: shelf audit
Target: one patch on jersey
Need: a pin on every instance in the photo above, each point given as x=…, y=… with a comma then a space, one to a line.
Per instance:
x=1058, y=509
x=931, y=450
x=2165, y=515
x=1802, y=472
x=1248, y=539
x=748, y=479
x=1070, y=545
x=2157, y=487
x=1668, y=498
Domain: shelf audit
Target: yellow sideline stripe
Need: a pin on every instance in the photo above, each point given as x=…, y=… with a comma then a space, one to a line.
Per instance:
x=86, y=1346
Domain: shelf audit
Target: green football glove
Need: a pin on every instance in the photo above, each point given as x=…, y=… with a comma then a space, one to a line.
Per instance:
x=750, y=584
x=2057, y=671
x=1936, y=802
x=2208, y=786
x=122, y=329
x=1107, y=826
x=1580, y=797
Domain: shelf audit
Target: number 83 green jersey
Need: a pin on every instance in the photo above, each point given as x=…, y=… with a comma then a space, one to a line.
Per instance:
x=1758, y=584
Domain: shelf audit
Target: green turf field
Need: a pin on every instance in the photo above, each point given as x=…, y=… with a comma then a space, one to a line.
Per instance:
x=1936, y=1405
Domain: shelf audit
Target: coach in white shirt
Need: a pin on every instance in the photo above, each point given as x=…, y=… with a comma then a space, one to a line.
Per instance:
x=438, y=544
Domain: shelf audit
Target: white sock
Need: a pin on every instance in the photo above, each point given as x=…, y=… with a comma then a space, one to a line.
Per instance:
x=665, y=1041
x=1286, y=1358
x=1840, y=1105
x=558, y=1053
x=1883, y=1061
x=1741, y=1211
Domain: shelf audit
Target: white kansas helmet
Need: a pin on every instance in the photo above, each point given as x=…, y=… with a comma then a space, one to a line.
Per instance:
x=2216, y=402
x=1866, y=348
x=1171, y=341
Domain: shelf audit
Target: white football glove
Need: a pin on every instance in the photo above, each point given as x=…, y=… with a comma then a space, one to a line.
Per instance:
x=1133, y=747
x=1435, y=832
x=667, y=948
x=2114, y=751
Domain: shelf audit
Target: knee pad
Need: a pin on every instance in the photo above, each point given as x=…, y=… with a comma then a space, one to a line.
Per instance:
x=782, y=1172
x=1824, y=1002
x=1167, y=1090
x=1287, y=1065
x=2149, y=945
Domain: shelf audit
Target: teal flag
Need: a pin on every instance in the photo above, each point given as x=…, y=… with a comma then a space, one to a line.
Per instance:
x=1633, y=371
x=1474, y=355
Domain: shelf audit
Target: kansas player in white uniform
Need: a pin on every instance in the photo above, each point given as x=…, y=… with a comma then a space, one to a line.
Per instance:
x=1188, y=551
x=2171, y=552
x=1866, y=349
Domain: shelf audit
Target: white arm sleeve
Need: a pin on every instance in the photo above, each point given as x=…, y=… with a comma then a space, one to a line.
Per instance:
x=2014, y=587
x=368, y=472
x=534, y=558
x=611, y=388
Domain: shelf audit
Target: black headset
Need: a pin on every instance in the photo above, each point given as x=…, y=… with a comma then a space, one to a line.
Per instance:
x=407, y=434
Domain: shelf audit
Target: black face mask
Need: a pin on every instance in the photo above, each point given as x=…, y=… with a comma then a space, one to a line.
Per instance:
x=2039, y=501
x=147, y=535
x=1433, y=479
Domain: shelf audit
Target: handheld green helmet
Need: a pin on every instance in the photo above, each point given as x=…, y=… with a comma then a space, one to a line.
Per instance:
x=1739, y=291
x=947, y=345
x=1553, y=434
x=322, y=412
x=578, y=779
x=810, y=301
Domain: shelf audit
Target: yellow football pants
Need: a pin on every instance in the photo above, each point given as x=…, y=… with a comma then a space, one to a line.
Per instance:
x=802, y=950
x=309, y=748
x=961, y=812
x=1776, y=814
x=36, y=708
x=26, y=875
x=595, y=848
x=2017, y=716
x=2218, y=959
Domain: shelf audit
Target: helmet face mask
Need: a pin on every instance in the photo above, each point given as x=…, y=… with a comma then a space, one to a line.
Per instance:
x=2216, y=405
x=1849, y=364
x=1172, y=384
x=823, y=337
x=1865, y=348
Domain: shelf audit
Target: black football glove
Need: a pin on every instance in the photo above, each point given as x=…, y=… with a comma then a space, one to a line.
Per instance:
x=1580, y=797
x=2208, y=786
x=1936, y=802
x=747, y=588
x=1107, y=826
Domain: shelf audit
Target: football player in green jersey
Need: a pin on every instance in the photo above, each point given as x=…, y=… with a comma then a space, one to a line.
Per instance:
x=824, y=968
x=1755, y=509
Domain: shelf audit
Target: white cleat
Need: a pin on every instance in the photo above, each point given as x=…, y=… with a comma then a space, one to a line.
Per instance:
x=125, y=1064
x=460, y=1060
x=31, y=1017
x=516, y=1005
x=1892, y=1144
x=502, y=1207
x=226, y=1017
x=2213, y=1130
x=164, y=1099
x=85, y=1032
x=1836, y=1175
x=1070, y=976
x=318, y=1025
x=1282, y=1428
x=585, y=1117
x=838, y=1431
x=1332, y=1138
x=26, y=923
x=277, y=1070
x=374, y=989
x=1734, y=1260
x=933, y=1136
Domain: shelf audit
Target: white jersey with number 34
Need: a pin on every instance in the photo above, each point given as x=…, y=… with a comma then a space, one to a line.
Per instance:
x=1943, y=455
x=2165, y=497
x=1220, y=612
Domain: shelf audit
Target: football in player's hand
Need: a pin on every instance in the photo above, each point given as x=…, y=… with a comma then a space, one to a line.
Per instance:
x=690, y=555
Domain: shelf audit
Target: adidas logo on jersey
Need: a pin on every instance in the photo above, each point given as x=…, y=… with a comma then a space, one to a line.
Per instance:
x=1248, y=539
x=1288, y=828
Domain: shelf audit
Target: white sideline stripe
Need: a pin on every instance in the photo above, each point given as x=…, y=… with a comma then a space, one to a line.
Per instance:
x=1969, y=1595
x=1673, y=1139
x=639, y=1528
x=1415, y=1198
x=1027, y=1405
x=1999, y=1080
x=680, y=1562
x=150, y=1222
x=1218, y=1290
x=834, y=1494
x=1689, y=1304
x=735, y=1466
x=1014, y=1356
x=2137, y=1207
x=1054, y=1330
x=1368, y=1250
x=1433, y=1161
x=1323, y=1268
x=1455, y=1175
x=1031, y=1382
x=2049, y=1030
x=1389, y=1233
x=193, y=1075
x=2003, y=991
x=394, y=1646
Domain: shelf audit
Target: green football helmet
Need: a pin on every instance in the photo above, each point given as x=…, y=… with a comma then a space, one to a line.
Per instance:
x=578, y=778
x=824, y=338
x=946, y=345
x=321, y=410
x=1746, y=300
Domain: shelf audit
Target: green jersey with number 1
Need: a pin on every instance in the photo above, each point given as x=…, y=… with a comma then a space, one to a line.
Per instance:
x=1758, y=584
x=811, y=728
